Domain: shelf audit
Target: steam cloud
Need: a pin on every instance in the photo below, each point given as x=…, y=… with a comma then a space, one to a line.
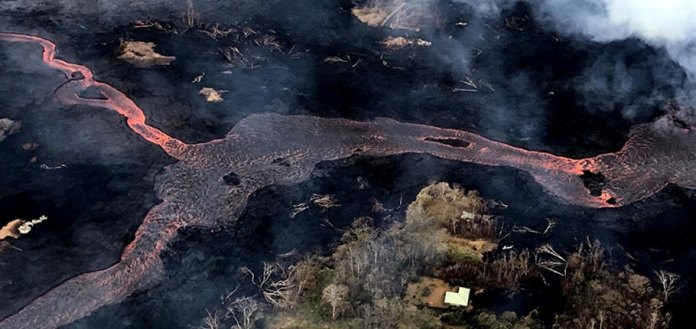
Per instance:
x=666, y=23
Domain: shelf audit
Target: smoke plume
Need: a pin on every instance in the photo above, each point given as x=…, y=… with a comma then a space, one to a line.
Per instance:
x=666, y=24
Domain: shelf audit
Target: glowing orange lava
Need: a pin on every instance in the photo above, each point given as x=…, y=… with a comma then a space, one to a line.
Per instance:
x=267, y=149
x=82, y=78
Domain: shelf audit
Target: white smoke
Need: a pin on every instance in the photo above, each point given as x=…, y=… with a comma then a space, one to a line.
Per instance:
x=661, y=23
x=487, y=8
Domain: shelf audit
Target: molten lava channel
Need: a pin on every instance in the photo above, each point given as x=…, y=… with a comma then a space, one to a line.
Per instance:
x=211, y=182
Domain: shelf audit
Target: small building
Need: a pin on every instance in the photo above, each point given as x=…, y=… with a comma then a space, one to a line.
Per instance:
x=460, y=298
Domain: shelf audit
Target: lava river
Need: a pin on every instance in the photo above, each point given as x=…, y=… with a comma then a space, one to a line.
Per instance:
x=211, y=182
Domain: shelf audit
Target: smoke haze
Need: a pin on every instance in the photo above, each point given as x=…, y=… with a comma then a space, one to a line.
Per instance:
x=668, y=24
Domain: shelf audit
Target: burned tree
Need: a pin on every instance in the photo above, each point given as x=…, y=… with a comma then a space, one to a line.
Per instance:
x=245, y=311
x=335, y=295
x=280, y=285
x=668, y=282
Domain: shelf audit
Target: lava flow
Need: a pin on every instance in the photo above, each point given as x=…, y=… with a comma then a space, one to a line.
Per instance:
x=82, y=78
x=270, y=149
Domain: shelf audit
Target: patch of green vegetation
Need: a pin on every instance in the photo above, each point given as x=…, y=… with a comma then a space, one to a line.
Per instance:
x=454, y=255
x=368, y=279
x=426, y=292
x=506, y=320
x=604, y=296
x=455, y=317
x=308, y=316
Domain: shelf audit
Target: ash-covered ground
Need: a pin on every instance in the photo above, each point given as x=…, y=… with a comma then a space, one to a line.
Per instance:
x=507, y=75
